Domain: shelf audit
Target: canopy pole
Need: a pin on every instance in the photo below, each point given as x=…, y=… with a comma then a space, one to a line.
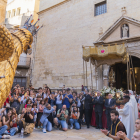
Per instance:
x=127, y=73
x=83, y=73
x=130, y=75
x=133, y=71
x=91, y=76
x=86, y=76
x=96, y=74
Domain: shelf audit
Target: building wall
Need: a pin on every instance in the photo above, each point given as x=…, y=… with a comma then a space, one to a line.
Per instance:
x=66, y=28
x=3, y=4
x=27, y=7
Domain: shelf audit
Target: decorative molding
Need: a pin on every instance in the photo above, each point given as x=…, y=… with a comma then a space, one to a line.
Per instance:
x=123, y=9
x=120, y=21
x=54, y=6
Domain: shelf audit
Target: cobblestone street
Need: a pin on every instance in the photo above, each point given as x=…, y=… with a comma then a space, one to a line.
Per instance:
x=83, y=134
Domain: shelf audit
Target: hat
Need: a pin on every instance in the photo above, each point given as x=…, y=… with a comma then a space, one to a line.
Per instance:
x=130, y=91
x=52, y=93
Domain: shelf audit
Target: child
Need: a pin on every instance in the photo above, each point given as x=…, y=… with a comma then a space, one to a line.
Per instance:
x=40, y=112
x=35, y=110
x=29, y=101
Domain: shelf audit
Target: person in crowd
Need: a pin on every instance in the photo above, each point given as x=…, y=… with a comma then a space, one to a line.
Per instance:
x=2, y=130
x=98, y=102
x=40, y=113
x=87, y=107
x=45, y=94
x=75, y=114
x=82, y=110
x=14, y=117
x=138, y=110
x=44, y=119
x=39, y=91
x=30, y=87
x=9, y=121
x=67, y=99
x=35, y=110
x=3, y=111
x=127, y=115
x=137, y=124
x=27, y=94
x=15, y=102
x=28, y=101
x=28, y=124
x=78, y=101
x=59, y=99
x=116, y=126
x=62, y=115
x=139, y=100
x=32, y=97
x=38, y=99
x=56, y=92
x=123, y=136
x=74, y=101
x=52, y=99
x=110, y=105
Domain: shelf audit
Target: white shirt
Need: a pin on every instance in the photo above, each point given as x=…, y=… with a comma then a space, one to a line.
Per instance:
x=98, y=97
x=78, y=103
x=109, y=101
x=58, y=101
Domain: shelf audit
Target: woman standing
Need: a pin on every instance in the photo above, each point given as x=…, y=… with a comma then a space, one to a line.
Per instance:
x=59, y=99
x=15, y=101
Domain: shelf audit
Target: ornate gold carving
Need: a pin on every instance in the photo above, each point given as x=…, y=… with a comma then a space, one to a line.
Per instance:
x=11, y=46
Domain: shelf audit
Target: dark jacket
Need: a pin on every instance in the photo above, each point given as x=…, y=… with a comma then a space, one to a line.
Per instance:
x=88, y=102
x=98, y=104
x=107, y=105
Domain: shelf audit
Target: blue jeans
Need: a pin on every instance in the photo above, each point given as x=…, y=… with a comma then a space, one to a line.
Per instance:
x=75, y=122
x=62, y=123
x=2, y=130
x=13, y=131
x=47, y=124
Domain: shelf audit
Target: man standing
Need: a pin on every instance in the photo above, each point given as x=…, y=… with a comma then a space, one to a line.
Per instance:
x=44, y=119
x=98, y=101
x=87, y=106
x=127, y=116
x=110, y=105
x=67, y=99
x=116, y=126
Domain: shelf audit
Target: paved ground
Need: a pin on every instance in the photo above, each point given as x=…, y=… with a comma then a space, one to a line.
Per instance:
x=83, y=134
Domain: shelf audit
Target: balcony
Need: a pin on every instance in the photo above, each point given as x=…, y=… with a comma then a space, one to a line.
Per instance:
x=24, y=62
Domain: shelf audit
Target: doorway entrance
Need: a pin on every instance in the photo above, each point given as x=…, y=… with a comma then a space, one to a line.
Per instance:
x=120, y=70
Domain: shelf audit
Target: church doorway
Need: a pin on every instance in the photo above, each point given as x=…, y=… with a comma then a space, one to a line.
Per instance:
x=120, y=70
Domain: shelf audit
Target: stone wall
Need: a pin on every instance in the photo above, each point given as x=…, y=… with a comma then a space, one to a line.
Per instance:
x=3, y=4
x=66, y=28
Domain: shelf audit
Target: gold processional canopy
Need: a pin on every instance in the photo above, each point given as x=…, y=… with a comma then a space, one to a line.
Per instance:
x=105, y=54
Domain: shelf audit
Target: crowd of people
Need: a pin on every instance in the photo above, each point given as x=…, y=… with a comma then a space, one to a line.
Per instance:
x=31, y=109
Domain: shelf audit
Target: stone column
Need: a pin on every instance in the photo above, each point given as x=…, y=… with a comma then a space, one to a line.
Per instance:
x=105, y=75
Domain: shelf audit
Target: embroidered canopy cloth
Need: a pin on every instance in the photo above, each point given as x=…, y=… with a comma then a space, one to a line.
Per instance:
x=104, y=53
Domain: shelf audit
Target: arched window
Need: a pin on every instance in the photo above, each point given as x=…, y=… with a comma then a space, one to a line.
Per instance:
x=124, y=31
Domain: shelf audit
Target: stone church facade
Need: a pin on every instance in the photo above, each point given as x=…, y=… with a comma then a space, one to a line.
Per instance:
x=3, y=4
x=71, y=24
